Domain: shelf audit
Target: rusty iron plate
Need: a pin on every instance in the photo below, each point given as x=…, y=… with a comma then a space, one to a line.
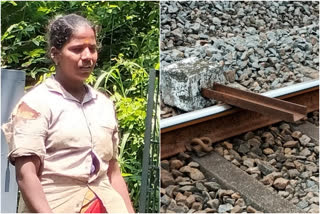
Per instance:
x=268, y=106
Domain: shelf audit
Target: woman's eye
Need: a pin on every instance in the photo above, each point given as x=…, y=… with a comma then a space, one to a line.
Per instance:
x=93, y=49
x=77, y=50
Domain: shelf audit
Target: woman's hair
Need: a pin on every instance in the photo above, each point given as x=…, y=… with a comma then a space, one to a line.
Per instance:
x=61, y=28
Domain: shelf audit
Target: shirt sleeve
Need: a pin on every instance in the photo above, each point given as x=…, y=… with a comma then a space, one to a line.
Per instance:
x=26, y=131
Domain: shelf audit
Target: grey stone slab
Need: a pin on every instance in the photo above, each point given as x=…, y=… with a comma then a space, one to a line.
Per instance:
x=255, y=193
x=181, y=83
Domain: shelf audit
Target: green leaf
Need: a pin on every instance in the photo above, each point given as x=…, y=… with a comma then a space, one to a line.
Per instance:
x=37, y=40
x=26, y=64
x=113, y=6
x=11, y=2
x=35, y=53
x=13, y=58
x=8, y=31
x=91, y=79
x=130, y=17
x=105, y=75
x=157, y=66
x=124, y=140
x=44, y=10
x=52, y=68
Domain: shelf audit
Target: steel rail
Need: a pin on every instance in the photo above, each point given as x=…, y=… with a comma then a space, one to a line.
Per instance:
x=222, y=122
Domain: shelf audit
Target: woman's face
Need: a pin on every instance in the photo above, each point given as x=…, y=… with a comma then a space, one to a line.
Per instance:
x=78, y=56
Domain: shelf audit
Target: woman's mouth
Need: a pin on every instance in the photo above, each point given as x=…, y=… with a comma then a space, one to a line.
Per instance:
x=86, y=68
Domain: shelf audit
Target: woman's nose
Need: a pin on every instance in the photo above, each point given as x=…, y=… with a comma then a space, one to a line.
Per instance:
x=86, y=54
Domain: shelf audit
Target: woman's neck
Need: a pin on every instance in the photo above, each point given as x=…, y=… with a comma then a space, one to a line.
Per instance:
x=75, y=88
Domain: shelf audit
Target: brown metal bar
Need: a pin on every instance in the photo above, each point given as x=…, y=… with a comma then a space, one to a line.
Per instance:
x=255, y=102
x=233, y=122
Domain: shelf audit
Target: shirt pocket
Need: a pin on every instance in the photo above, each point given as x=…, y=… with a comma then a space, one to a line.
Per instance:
x=103, y=140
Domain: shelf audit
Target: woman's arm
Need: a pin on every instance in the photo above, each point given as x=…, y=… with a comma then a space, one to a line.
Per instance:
x=119, y=184
x=27, y=169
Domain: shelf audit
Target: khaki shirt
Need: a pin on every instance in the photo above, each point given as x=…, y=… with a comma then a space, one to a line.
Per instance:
x=65, y=134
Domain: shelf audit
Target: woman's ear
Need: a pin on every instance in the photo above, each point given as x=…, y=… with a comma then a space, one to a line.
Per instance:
x=54, y=54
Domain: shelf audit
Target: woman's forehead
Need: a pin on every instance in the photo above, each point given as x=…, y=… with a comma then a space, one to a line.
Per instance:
x=83, y=34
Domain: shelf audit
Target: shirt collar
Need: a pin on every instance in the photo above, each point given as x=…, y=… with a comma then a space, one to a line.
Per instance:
x=54, y=86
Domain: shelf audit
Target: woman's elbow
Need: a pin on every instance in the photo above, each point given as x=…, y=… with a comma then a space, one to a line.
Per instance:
x=26, y=170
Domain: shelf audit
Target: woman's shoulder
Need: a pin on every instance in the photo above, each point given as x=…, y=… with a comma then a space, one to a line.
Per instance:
x=37, y=93
x=103, y=96
x=36, y=98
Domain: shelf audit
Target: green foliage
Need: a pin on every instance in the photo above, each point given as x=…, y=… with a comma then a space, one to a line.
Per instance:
x=128, y=36
x=127, y=77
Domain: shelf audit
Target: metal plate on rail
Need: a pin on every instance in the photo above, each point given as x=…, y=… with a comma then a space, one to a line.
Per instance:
x=268, y=106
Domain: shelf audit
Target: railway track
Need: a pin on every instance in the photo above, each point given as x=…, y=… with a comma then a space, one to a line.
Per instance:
x=279, y=175
x=260, y=171
x=223, y=121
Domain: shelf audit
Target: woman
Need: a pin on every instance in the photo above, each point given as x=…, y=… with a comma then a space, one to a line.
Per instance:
x=63, y=134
